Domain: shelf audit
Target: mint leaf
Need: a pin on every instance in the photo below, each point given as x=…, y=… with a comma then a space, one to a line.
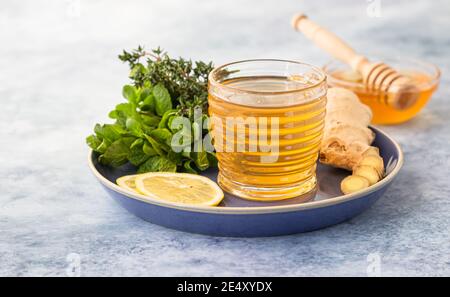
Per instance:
x=122, y=112
x=136, y=155
x=187, y=165
x=163, y=102
x=148, y=103
x=165, y=118
x=150, y=120
x=137, y=71
x=162, y=135
x=109, y=132
x=134, y=127
x=201, y=160
x=155, y=145
x=212, y=159
x=93, y=142
x=157, y=164
x=137, y=142
x=147, y=100
x=116, y=154
x=130, y=93
x=148, y=149
x=176, y=158
x=103, y=146
x=126, y=108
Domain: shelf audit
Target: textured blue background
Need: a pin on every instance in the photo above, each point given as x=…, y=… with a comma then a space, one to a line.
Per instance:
x=59, y=75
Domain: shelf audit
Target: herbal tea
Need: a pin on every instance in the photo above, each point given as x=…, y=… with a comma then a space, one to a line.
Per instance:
x=267, y=131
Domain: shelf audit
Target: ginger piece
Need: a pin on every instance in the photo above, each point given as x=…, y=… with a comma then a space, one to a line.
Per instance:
x=371, y=168
x=374, y=161
x=354, y=183
x=346, y=134
x=368, y=172
x=347, y=141
x=372, y=151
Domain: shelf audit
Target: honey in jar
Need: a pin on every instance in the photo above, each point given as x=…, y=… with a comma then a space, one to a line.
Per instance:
x=424, y=76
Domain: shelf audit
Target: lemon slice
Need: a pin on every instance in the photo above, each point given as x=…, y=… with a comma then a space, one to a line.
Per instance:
x=128, y=182
x=179, y=188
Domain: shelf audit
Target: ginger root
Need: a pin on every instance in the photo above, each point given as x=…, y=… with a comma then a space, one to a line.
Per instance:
x=346, y=135
x=368, y=172
x=347, y=141
x=372, y=161
x=353, y=183
x=370, y=168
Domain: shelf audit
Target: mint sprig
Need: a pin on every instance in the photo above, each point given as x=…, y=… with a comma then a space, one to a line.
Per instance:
x=141, y=134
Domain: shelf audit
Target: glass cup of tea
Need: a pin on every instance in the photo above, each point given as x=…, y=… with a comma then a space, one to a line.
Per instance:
x=267, y=121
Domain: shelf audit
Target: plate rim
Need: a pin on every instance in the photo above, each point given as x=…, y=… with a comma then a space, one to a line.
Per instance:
x=256, y=209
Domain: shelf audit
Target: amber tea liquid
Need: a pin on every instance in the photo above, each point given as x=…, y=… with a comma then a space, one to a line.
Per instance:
x=273, y=111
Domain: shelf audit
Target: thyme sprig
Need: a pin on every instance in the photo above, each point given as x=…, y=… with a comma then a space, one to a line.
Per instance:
x=186, y=81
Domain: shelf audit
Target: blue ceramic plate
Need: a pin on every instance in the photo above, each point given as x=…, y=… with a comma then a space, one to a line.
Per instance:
x=241, y=218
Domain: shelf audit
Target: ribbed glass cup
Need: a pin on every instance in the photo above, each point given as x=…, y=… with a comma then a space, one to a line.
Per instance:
x=267, y=123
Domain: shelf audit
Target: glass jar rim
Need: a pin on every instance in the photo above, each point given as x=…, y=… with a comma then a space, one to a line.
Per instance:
x=318, y=70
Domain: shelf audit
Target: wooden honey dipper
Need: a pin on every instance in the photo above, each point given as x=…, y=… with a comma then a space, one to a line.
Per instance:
x=394, y=89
